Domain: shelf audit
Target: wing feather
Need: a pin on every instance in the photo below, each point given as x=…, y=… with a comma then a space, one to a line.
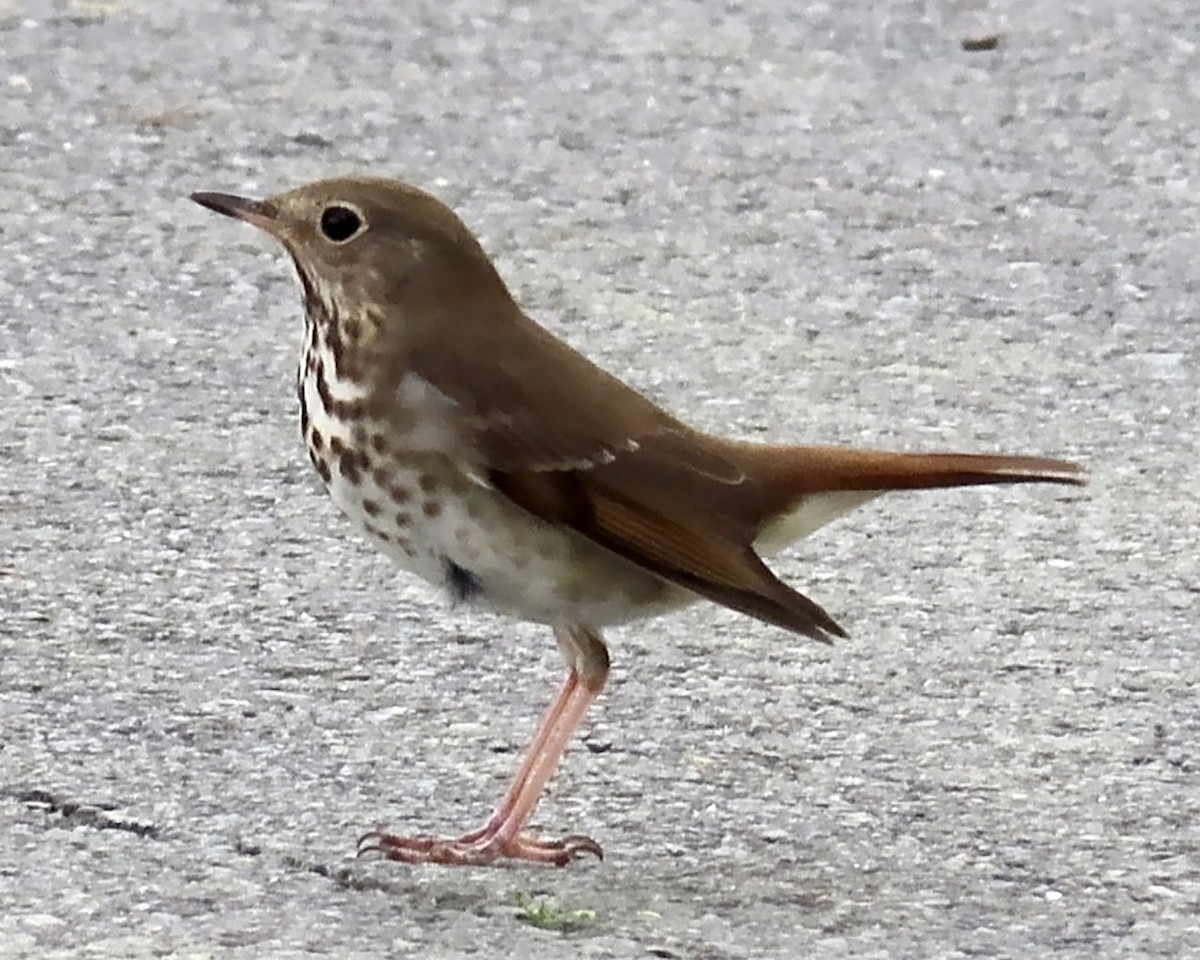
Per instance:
x=580, y=448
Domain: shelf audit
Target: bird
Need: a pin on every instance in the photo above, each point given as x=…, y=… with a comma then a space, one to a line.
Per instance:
x=481, y=452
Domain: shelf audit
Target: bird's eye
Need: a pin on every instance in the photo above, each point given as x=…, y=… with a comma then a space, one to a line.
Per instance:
x=339, y=223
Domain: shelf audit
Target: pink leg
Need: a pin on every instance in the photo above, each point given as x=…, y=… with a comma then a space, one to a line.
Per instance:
x=533, y=754
x=502, y=837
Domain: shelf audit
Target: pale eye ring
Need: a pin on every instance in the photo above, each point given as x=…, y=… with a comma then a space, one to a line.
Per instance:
x=341, y=223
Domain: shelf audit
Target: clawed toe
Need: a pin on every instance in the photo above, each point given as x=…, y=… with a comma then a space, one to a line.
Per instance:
x=577, y=844
x=475, y=850
x=416, y=849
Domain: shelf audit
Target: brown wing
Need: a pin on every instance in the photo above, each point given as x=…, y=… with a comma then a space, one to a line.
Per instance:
x=573, y=445
x=676, y=544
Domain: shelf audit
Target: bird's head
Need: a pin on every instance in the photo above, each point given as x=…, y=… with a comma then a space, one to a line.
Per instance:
x=365, y=244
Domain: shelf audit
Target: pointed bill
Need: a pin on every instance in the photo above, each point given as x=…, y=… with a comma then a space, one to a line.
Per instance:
x=259, y=213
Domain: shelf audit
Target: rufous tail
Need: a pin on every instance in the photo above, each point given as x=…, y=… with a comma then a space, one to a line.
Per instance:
x=798, y=470
x=805, y=487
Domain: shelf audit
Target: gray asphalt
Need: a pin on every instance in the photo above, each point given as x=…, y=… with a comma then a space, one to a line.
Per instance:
x=818, y=222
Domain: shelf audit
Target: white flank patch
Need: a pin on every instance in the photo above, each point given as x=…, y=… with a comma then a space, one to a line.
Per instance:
x=810, y=516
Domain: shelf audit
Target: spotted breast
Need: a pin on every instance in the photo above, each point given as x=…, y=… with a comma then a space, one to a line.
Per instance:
x=432, y=515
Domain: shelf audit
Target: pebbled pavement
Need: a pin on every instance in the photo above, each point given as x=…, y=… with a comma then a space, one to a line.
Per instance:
x=810, y=221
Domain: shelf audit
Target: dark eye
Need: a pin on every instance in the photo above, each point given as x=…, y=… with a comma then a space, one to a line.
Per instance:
x=340, y=223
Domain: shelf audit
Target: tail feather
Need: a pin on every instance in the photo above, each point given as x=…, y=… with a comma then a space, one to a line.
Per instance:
x=806, y=487
x=792, y=471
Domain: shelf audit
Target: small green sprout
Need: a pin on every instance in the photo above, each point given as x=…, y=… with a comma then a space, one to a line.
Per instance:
x=545, y=914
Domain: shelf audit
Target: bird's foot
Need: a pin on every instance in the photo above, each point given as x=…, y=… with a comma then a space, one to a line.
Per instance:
x=479, y=849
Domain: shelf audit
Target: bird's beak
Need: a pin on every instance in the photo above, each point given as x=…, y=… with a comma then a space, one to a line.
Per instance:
x=260, y=213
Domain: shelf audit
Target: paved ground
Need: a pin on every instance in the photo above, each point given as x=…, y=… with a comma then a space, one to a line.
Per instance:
x=815, y=222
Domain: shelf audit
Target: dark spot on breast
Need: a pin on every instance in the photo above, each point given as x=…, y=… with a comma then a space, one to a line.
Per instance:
x=399, y=494
x=379, y=443
x=322, y=466
x=318, y=441
x=432, y=509
x=370, y=507
x=349, y=410
x=403, y=518
x=323, y=390
x=351, y=465
x=336, y=446
x=427, y=482
x=352, y=328
x=462, y=583
x=337, y=348
x=378, y=534
x=303, y=417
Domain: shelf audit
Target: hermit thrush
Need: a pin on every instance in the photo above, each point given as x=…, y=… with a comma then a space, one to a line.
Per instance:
x=484, y=454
